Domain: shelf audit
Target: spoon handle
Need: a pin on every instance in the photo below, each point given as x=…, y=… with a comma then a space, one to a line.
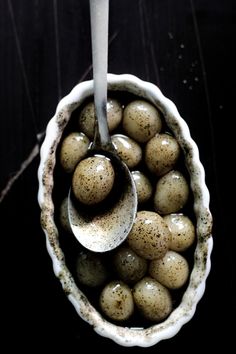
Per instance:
x=99, y=32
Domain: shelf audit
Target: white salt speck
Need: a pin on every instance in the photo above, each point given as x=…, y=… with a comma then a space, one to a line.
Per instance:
x=182, y=46
x=180, y=56
x=196, y=79
x=185, y=81
x=170, y=34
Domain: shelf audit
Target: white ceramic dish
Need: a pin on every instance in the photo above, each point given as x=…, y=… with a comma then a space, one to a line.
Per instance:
x=184, y=312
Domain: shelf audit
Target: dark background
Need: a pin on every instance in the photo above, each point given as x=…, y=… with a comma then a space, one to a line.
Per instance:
x=187, y=47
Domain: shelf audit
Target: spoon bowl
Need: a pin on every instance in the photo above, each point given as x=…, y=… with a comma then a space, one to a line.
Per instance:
x=105, y=226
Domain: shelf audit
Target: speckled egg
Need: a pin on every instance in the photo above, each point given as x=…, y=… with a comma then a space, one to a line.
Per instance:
x=171, y=194
x=93, y=179
x=152, y=299
x=161, y=153
x=149, y=236
x=90, y=269
x=128, y=265
x=116, y=301
x=73, y=149
x=171, y=271
x=87, y=117
x=141, y=120
x=143, y=186
x=182, y=231
x=128, y=150
x=63, y=216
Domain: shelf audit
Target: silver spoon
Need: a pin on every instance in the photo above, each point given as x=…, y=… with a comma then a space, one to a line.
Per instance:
x=105, y=227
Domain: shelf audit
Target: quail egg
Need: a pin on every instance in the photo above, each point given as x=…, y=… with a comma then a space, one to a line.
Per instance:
x=128, y=265
x=161, y=153
x=149, y=236
x=152, y=299
x=87, y=117
x=141, y=120
x=93, y=179
x=182, y=231
x=90, y=269
x=116, y=301
x=73, y=149
x=171, y=271
x=128, y=150
x=143, y=186
x=171, y=194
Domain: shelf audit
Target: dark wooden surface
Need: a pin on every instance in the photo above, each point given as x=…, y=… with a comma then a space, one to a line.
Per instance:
x=186, y=47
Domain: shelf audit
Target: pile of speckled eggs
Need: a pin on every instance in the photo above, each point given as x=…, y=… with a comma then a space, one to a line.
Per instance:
x=145, y=277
